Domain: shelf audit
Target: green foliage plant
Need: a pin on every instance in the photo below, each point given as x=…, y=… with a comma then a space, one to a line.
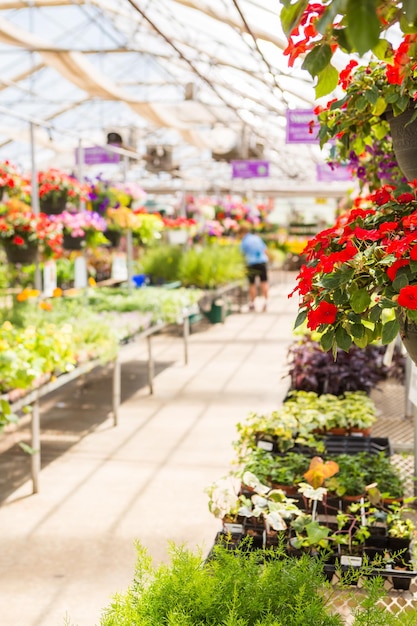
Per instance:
x=231, y=588
x=161, y=263
x=211, y=266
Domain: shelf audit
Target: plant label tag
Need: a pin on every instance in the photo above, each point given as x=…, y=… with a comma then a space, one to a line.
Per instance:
x=233, y=529
x=49, y=278
x=352, y=561
x=119, y=267
x=265, y=445
x=80, y=272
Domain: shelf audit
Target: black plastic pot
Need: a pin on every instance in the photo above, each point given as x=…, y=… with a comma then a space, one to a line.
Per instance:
x=404, y=140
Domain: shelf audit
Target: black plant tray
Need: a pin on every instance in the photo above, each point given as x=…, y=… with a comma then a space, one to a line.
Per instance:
x=350, y=444
x=333, y=444
x=401, y=579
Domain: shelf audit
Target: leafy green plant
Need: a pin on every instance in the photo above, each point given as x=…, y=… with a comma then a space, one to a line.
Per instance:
x=211, y=266
x=232, y=588
x=280, y=470
x=161, y=263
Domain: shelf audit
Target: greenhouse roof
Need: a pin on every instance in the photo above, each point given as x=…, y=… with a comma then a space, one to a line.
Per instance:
x=198, y=77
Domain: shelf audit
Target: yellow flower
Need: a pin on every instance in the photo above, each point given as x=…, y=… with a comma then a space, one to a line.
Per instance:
x=92, y=282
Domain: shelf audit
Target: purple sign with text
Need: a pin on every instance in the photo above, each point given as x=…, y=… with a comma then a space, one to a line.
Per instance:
x=299, y=126
x=97, y=155
x=250, y=169
x=326, y=174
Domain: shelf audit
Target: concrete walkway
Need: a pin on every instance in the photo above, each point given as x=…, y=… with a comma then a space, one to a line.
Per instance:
x=67, y=550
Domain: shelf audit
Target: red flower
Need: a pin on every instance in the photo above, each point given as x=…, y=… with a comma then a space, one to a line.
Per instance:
x=388, y=227
x=18, y=241
x=408, y=297
x=381, y=196
x=325, y=313
x=403, y=198
x=413, y=253
x=392, y=271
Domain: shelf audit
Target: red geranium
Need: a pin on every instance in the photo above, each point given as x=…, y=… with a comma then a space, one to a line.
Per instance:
x=325, y=313
x=408, y=297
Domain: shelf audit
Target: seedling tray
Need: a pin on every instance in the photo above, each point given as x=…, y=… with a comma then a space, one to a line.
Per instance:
x=333, y=444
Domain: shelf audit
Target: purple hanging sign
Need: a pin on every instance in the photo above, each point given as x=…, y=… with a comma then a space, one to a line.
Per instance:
x=299, y=127
x=339, y=173
x=250, y=169
x=97, y=155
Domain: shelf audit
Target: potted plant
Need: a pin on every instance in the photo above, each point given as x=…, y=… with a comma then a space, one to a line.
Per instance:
x=11, y=181
x=310, y=368
x=84, y=228
x=359, y=283
x=377, y=97
x=56, y=189
x=318, y=30
x=23, y=233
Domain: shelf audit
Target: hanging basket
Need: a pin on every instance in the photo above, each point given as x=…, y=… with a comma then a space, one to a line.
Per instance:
x=73, y=243
x=408, y=334
x=20, y=255
x=404, y=140
x=53, y=205
x=114, y=237
x=177, y=237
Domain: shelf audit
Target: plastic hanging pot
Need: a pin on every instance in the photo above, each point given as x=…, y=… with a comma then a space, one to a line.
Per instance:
x=19, y=254
x=408, y=334
x=404, y=140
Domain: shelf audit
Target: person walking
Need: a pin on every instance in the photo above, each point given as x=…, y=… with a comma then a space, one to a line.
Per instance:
x=255, y=251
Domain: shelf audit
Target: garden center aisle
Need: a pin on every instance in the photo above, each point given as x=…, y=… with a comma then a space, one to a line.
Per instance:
x=68, y=549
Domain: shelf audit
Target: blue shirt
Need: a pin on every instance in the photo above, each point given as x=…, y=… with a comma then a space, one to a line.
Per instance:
x=253, y=249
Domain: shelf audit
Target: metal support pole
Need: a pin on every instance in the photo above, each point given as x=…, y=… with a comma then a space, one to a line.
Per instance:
x=36, y=445
x=35, y=198
x=129, y=260
x=150, y=364
x=116, y=389
x=409, y=407
x=186, y=334
x=80, y=154
x=414, y=414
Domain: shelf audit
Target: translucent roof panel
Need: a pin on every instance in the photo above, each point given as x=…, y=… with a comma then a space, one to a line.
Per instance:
x=194, y=75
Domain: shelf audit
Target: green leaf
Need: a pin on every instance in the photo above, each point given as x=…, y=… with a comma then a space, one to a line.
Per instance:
x=340, y=296
x=379, y=107
x=327, y=339
x=410, y=10
x=343, y=339
x=317, y=59
x=328, y=16
x=400, y=281
x=291, y=15
x=406, y=27
x=301, y=317
x=28, y=449
x=5, y=407
x=341, y=36
x=375, y=314
x=316, y=532
x=330, y=281
x=339, y=103
x=382, y=49
x=371, y=95
x=360, y=301
x=361, y=103
x=389, y=331
x=380, y=130
x=363, y=24
x=327, y=81
x=357, y=331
